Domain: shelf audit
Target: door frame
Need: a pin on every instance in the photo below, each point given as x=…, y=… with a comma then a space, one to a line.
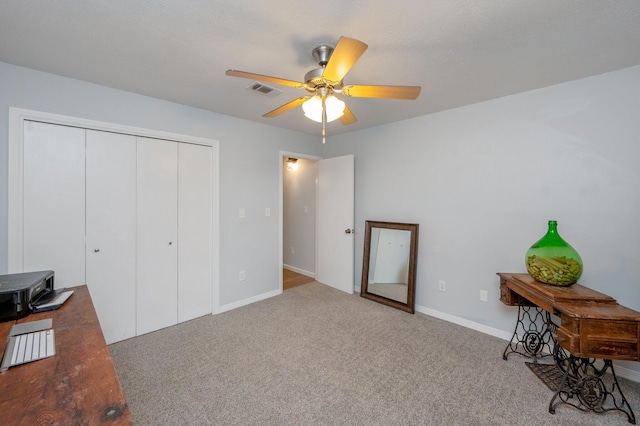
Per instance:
x=282, y=155
x=17, y=117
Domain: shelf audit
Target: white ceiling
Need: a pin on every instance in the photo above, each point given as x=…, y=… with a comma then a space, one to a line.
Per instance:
x=459, y=51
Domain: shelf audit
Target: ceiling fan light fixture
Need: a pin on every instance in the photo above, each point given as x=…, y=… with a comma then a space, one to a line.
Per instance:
x=313, y=108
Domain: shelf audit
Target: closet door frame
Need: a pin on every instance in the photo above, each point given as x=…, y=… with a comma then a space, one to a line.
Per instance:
x=17, y=117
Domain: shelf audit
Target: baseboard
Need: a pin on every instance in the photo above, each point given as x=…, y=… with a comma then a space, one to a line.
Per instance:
x=299, y=271
x=621, y=371
x=248, y=301
x=627, y=373
x=504, y=335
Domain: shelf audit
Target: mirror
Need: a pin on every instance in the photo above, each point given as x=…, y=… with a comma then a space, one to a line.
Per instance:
x=389, y=264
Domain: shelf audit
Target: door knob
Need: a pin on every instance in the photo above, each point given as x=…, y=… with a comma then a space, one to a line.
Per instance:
x=170, y=242
x=96, y=250
x=349, y=231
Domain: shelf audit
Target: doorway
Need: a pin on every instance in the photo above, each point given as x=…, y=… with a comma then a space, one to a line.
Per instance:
x=332, y=227
x=298, y=210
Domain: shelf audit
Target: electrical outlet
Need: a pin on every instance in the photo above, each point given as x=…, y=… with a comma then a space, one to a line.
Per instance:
x=442, y=285
x=484, y=296
x=267, y=211
x=241, y=276
x=293, y=250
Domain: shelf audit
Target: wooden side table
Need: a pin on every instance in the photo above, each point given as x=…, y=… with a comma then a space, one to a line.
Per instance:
x=592, y=327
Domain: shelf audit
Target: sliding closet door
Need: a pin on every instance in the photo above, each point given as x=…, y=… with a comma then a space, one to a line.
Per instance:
x=111, y=231
x=129, y=216
x=54, y=198
x=157, y=211
x=194, y=225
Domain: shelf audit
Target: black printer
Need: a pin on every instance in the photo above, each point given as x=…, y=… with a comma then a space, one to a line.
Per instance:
x=19, y=293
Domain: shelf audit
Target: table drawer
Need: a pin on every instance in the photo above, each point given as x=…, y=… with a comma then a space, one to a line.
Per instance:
x=569, y=341
x=590, y=338
x=570, y=324
x=610, y=329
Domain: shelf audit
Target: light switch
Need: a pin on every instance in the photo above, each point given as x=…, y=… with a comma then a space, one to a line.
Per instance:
x=241, y=214
x=267, y=211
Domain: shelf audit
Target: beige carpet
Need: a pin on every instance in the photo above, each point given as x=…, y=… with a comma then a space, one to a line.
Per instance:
x=316, y=356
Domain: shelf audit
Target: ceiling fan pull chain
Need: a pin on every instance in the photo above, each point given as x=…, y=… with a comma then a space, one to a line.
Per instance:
x=324, y=118
x=323, y=131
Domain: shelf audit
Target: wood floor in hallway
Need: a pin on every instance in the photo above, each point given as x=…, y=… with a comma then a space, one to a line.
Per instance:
x=292, y=279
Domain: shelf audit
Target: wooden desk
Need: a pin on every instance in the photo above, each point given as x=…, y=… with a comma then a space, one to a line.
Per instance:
x=78, y=385
x=592, y=325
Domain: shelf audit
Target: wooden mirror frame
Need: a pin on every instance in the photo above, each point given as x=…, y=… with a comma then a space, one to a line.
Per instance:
x=413, y=254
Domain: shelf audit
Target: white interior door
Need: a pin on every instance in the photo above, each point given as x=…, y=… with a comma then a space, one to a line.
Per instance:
x=111, y=231
x=157, y=211
x=194, y=231
x=54, y=199
x=335, y=223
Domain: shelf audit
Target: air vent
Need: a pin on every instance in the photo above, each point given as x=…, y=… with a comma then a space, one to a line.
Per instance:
x=263, y=89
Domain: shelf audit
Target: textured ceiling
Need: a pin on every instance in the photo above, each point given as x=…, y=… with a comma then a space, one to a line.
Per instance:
x=459, y=51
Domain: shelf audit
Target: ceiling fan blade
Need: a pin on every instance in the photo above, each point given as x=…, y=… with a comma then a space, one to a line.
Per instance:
x=390, y=92
x=260, y=77
x=348, y=117
x=346, y=53
x=286, y=107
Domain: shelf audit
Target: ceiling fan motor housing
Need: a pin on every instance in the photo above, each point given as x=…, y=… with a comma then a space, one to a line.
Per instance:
x=313, y=78
x=322, y=54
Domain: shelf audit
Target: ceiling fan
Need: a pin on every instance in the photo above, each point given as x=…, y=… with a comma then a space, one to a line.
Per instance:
x=322, y=104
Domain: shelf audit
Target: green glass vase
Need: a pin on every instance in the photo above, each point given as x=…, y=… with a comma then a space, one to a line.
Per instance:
x=553, y=261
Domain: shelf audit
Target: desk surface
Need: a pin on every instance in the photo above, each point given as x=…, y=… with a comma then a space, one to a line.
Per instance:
x=77, y=385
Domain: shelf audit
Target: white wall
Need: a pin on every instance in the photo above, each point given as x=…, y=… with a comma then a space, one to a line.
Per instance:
x=299, y=216
x=249, y=165
x=483, y=180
